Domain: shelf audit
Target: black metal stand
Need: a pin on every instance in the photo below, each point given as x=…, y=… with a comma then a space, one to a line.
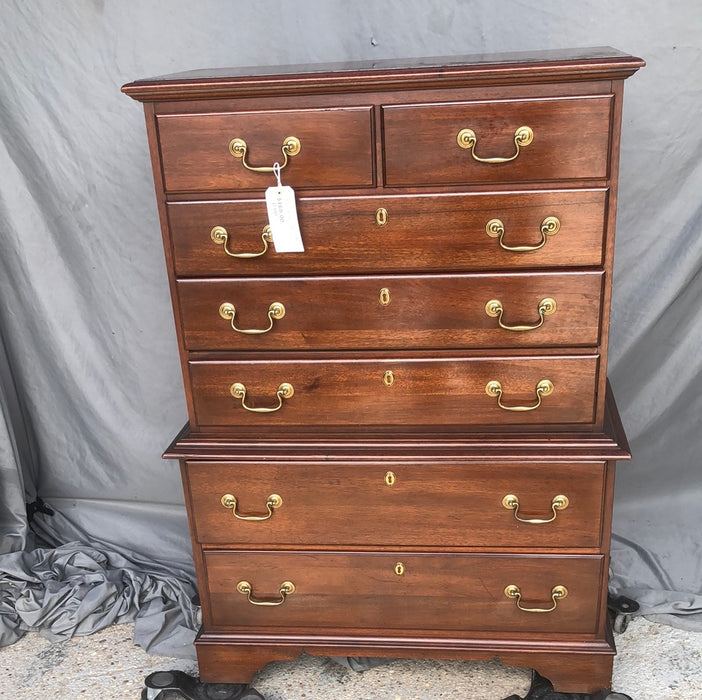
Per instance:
x=172, y=685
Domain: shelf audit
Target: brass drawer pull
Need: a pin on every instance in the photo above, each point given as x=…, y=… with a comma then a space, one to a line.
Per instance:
x=284, y=391
x=557, y=593
x=286, y=588
x=273, y=501
x=466, y=138
x=546, y=307
x=291, y=147
x=275, y=311
x=550, y=226
x=543, y=388
x=220, y=236
x=511, y=502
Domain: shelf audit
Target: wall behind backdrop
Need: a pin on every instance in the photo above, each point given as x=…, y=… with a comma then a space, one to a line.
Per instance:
x=90, y=382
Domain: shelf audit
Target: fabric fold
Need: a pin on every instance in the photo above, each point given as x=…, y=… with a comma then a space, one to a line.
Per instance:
x=76, y=589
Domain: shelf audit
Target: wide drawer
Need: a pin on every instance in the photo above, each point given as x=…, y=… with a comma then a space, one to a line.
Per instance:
x=450, y=232
x=402, y=312
x=335, y=149
x=403, y=591
x=389, y=390
x=570, y=140
x=400, y=505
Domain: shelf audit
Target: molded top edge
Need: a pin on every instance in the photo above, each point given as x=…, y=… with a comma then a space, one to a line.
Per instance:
x=581, y=64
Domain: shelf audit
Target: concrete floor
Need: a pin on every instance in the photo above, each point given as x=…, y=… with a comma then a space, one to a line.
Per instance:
x=654, y=663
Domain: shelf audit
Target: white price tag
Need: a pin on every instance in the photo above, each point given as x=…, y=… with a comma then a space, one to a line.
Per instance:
x=282, y=217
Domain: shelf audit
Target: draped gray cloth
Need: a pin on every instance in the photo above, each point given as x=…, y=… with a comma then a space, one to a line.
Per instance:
x=90, y=383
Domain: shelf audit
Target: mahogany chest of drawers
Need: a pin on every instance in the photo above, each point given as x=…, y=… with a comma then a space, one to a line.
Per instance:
x=401, y=440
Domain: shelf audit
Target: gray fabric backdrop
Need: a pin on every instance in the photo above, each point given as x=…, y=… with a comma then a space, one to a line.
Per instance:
x=91, y=389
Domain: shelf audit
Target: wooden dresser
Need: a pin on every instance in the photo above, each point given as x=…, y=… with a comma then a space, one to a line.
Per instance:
x=401, y=441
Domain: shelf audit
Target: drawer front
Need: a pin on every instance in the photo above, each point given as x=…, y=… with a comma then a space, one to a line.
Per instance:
x=335, y=149
x=403, y=312
x=414, y=505
x=394, y=390
x=433, y=593
x=570, y=141
x=451, y=232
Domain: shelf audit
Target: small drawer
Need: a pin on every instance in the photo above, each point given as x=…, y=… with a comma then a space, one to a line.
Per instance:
x=449, y=232
x=402, y=591
x=569, y=140
x=335, y=149
x=400, y=312
x=395, y=390
x=489, y=505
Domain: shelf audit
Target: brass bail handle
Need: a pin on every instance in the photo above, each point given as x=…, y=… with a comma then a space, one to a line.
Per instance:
x=284, y=391
x=545, y=308
x=291, y=147
x=543, y=388
x=220, y=236
x=272, y=502
x=557, y=593
x=511, y=502
x=467, y=139
x=276, y=311
x=550, y=226
x=286, y=588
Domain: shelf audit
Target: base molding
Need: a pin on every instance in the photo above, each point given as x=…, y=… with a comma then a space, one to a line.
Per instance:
x=572, y=665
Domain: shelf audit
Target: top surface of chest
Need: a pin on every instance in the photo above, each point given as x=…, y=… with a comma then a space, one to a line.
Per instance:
x=354, y=76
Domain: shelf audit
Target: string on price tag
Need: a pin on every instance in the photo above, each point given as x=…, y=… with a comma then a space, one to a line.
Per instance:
x=282, y=216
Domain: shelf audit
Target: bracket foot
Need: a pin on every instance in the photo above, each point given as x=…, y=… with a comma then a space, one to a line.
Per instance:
x=542, y=689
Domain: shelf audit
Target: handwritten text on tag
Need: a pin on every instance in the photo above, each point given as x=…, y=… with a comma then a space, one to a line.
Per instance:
x=282, y=218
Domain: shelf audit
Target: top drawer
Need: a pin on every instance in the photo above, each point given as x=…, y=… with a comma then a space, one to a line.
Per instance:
x=569, y=139
x=335, y=149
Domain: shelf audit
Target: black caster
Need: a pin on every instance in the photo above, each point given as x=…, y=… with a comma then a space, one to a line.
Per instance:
x=542, y=689
x=173, y=685
x=621, y=610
